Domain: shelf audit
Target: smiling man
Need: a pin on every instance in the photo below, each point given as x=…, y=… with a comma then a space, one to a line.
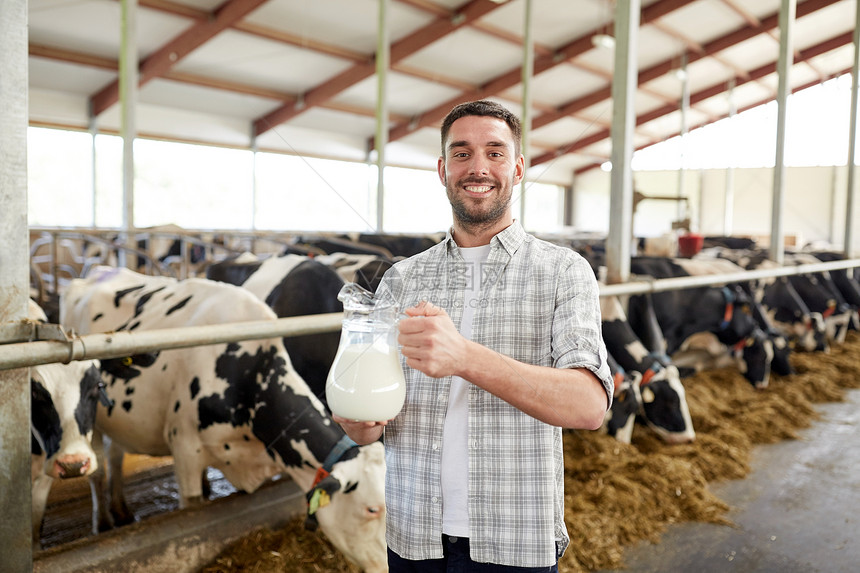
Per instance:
x=501, y=349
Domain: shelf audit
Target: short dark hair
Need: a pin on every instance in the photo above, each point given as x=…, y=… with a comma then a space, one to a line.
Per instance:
x=484, y=108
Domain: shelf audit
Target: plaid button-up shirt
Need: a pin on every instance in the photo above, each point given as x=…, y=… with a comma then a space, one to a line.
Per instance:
x=538, y=304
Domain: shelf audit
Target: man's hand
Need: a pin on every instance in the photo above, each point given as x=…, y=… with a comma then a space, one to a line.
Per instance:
x=362, y=433
x=430, y=341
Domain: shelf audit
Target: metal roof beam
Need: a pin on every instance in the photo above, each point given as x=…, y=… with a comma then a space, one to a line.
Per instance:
x=401, y=49
x=159, y=62
x=667, y=66
x=513, y=77
x=72, y=57
x=701, y=95
x=795, y=89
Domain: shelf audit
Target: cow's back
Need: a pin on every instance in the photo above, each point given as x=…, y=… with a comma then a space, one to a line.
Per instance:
x=161, y=395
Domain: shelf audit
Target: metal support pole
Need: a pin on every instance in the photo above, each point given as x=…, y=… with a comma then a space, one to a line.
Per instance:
x=527, y=73
x=787, y=12
x=383, y=52
x=681, y=209
x=15, y=503
x=852, y=140
x=254, y=153
x=93, y=131
x=569, y=202
x=128, y=82
x=729, y=199
x=623, y=119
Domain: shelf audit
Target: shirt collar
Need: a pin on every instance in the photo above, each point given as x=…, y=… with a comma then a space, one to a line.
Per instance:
x=509, y=238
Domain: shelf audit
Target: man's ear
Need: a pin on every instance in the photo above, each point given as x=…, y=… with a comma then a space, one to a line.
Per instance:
x=519, y=169
x=440, y=167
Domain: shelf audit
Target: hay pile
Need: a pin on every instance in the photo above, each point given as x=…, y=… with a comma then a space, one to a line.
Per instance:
x=618, y=494
x=292, y=549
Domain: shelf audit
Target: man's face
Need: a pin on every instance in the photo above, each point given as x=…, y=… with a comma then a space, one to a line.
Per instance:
x=479, y=169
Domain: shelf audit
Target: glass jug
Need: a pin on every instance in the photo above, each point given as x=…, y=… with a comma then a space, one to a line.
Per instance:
x=366, y=381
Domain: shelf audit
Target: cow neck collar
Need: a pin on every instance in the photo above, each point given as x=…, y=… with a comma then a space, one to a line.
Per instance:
x=336, y=454
x=652, y=370
x=729, y=311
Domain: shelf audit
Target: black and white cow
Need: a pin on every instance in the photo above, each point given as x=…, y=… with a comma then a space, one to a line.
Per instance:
x=821, y=294
x=295, y=285
x=782, y=347
x=292, y=285
x=788, y=310
x=723, y=312
x=342, y=244
x=163, y=243
x=364, y=270
x=626, y=403
x=847, y=280
x=63, y=400
x=401, y=245
x=749, y=295
x=239, y=407
x=663, y=398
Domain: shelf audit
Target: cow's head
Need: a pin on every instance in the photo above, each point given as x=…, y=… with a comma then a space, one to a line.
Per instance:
x=752, y=349
x=785, y=308
x=626, y=404
x=349, y=506
x=754, y=355
x=806, y=332
x=664, y=404
x=781, y=363
x=64, y=398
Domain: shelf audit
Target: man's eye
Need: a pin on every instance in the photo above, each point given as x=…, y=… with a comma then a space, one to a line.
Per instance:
x=461, y=154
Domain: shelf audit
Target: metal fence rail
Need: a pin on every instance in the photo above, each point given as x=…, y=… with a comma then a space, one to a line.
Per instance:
x=125, y=343
x=677, y=283
x=117, y=344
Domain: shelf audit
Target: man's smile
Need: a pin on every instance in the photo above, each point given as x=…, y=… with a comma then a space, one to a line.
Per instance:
x=480, y=189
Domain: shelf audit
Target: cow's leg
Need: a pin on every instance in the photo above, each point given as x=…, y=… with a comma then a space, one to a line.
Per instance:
x=119, y=510
x=843, y=323
x=98, y=488
x=41, y=487
x=205, y=485
x=189, y=465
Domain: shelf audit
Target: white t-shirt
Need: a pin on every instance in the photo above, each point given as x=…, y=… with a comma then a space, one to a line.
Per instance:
x=455, y=437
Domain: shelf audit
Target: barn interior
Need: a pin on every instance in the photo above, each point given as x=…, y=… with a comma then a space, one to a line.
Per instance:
x=366, y=83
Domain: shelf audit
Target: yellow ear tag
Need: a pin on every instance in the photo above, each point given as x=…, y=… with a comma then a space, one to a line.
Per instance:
x=319, y=499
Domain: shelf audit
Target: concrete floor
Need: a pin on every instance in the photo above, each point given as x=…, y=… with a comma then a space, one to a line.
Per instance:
x=798, y=511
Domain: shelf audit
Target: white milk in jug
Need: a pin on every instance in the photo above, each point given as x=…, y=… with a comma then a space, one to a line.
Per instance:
x=366, y=381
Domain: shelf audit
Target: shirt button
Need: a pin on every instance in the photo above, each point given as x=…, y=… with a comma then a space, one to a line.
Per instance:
x=435, y=446
x=434, y=499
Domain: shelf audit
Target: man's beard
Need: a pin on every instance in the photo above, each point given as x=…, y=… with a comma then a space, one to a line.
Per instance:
x=479, y=218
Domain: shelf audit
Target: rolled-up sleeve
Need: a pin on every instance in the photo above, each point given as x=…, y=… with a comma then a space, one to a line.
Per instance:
x=577, y=336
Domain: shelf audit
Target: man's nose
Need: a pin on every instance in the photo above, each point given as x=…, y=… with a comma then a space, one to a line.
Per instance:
x=479, y=166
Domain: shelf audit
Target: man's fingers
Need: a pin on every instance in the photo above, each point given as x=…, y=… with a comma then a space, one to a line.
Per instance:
x=431, y=309
x=412, y=325
x=424, y=308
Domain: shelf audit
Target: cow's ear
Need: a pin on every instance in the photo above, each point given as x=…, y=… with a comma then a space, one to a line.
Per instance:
x=125, y=367
x=319, y=497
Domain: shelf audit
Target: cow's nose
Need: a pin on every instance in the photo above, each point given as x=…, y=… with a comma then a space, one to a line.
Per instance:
x=374, y=511
x=70, y=469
